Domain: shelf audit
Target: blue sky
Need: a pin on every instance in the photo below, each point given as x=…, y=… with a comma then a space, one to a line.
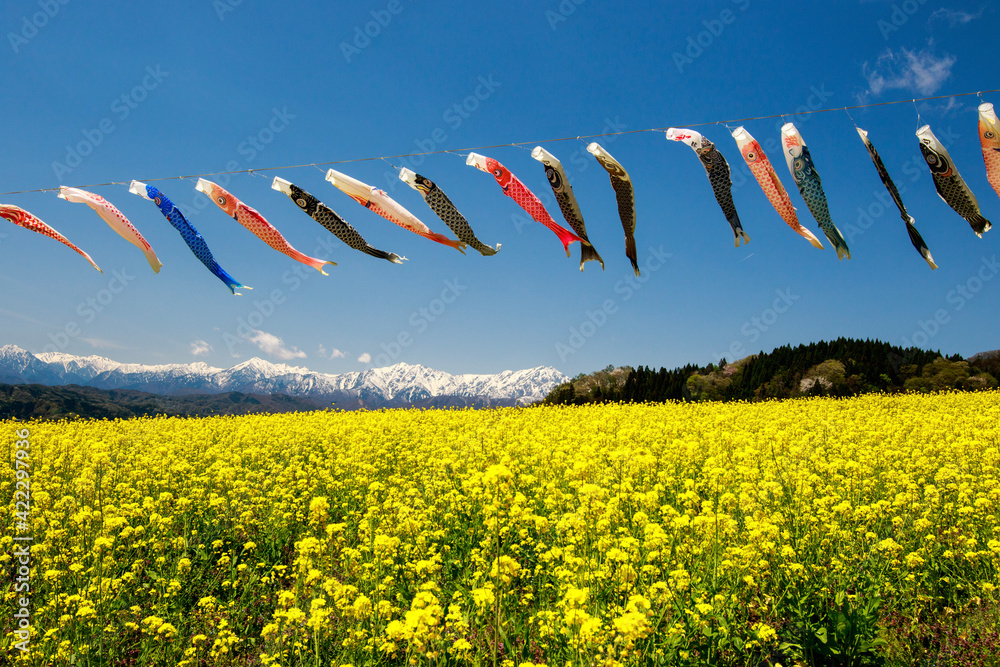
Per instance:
x=114, y=91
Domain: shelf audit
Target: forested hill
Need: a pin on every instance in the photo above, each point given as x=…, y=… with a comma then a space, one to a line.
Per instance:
x=35, y=401
x=843, y=367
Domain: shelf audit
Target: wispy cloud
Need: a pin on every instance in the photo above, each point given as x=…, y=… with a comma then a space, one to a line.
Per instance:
x=274, y=346
x=101, y=344
x=912, y=71
x=943, y=107
x=365, y=358
x=19, y=316
x=200, y=347
x=956, y=17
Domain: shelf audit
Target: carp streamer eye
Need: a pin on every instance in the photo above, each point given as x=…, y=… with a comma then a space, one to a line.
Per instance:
x=301, y=202
x=221, y=200
x=157, y=201
x=751, y=156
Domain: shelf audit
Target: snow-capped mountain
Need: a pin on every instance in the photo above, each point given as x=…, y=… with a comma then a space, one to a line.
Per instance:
x=397, y=385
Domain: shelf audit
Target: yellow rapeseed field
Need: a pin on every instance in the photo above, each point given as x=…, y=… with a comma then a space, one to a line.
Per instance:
x=780, y=532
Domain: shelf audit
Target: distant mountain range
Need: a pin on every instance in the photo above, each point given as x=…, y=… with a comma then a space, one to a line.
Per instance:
x=400, y=385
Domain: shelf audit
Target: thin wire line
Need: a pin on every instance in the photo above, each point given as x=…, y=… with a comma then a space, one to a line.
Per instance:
x=517, y=144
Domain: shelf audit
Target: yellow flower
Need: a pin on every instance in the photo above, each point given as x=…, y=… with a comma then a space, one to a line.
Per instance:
x=631, y=625
x=461, y=645
x=318, y=509
x=294, y=615
x=362, y=606
x=152, y=622
x=590, y=627
x=890, y=545
x=505, y=567
x=395, y=630
x=575, y=596
x=765, y=633
x=483, y=597
x=102, y=543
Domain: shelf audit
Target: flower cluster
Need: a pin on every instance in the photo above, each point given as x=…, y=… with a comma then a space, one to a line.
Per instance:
x=604, y=534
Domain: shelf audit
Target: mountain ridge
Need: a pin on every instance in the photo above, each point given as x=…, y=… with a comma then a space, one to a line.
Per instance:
x=393, y=386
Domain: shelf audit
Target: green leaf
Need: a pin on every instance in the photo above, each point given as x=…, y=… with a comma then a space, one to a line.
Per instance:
x=821, y=635
x=843, y=624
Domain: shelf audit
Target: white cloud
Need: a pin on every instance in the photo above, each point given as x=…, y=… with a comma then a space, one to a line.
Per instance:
x=274, y=346
x=365, y=358
x=956, y=17
x=334, y=353
x=200, y=347
x=912, y=71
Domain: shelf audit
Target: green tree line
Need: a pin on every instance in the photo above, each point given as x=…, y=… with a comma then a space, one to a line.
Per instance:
x=842, y=367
